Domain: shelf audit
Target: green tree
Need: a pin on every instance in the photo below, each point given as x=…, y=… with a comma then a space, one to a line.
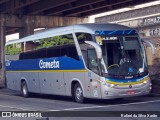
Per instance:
x=13, y=49
x=54, y=41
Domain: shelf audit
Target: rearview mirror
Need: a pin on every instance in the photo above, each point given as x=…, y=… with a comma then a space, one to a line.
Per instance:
x=151, y=45
x=97, y=48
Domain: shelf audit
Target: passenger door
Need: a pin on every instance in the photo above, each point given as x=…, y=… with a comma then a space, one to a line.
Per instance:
x=93, y=74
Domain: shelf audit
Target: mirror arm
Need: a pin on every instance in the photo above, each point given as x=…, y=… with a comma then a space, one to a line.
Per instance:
x=151, y=45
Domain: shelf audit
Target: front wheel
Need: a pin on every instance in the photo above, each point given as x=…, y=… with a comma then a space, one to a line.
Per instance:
x=24, y=89
x=78, y=93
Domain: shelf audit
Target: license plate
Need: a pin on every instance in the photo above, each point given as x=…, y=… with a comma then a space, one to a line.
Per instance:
x=131, y=92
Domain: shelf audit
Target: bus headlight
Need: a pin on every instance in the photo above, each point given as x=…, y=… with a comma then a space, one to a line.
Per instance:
x=150, y=86
x=108, y=85
x=145, y=82
x=112, y=85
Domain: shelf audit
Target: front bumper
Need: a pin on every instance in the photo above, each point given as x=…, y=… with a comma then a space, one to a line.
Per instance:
x=121, y=91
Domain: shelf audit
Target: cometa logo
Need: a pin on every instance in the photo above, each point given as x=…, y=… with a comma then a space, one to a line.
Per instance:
x=52, y=64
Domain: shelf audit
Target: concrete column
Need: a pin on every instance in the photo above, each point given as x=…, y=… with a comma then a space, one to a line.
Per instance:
x=28, y=26
x=2, y=54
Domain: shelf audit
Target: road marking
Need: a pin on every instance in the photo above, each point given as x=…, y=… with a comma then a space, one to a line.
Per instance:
x=80, y=108
x=14, y=107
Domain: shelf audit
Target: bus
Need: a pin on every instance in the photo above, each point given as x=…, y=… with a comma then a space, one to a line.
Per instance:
x=97, y=61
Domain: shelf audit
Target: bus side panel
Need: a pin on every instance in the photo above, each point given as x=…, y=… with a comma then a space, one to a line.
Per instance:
x=13, y=81
x=94, y=85
x=74, y=76
x=32, y=81
x=52, y=83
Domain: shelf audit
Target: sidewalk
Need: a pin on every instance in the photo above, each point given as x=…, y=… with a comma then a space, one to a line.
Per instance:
x=6, y=91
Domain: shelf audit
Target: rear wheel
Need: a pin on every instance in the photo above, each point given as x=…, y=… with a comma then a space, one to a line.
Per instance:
x=24, y=89
x=78, y=93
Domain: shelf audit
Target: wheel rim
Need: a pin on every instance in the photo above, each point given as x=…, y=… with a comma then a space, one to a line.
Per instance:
x=79, y=93
x=24, y=90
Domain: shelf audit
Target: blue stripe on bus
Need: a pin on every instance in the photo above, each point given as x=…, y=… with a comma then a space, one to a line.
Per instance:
x=112, y=32
x=116, y=32
x=59, y=63
x=125, y=80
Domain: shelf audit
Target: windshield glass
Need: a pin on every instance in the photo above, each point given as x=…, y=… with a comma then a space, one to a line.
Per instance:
x=122, y=55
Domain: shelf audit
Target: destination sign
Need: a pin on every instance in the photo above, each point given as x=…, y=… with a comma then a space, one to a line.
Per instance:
x=99, y=39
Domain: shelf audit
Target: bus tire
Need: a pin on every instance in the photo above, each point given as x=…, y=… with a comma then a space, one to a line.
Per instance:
x=24, y=89
x=78, y=93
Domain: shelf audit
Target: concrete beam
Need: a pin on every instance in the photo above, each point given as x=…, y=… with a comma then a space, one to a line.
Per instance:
x=43, y=21
x=27, y=24
x=32, y=22
x=13, y=21
x=45, y=5
x=128, y=15
x=13, y=5
x=2, y=55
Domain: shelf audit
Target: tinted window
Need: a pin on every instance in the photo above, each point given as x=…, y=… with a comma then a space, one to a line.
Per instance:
x=50, y=47
x=69, y=51
x=53, y=51
x=27, y=55
x=41, y=53
x=92, y=60
x=81, y=37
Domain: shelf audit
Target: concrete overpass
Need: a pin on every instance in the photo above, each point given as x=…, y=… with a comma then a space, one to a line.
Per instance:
x=16, y=11
x=24, y=16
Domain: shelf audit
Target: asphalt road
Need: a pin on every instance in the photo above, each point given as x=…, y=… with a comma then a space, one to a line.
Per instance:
x=62, y=106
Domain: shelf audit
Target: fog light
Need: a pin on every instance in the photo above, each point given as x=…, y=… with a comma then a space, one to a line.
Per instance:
x=149, y=88
x=150, y=84
x=112, y=85
x=145, y=82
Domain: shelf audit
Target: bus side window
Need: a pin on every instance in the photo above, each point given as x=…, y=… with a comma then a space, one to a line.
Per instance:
x=72, y=52
x=64, y=50
x=27, y=55
x=81, y=37
x=84, y=53
x=41, y=53
x=53, y=52
x=21, y=56
x=69, y=51
x=92, y=60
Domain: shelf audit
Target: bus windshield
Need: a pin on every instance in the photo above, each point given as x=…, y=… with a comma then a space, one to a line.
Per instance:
x=122, y=55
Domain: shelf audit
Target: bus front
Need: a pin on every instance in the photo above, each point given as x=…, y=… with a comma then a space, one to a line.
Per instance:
x=122, y=68
x=123, y=64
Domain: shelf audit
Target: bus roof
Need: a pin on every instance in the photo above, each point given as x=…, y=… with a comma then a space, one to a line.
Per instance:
x=86, y=28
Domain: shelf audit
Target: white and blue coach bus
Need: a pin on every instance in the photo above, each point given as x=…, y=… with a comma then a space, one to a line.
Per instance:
x=99, y=61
